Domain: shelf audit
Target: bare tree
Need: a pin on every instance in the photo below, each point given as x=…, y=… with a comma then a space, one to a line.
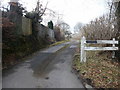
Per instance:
x=103, y=27
x=37, y=13
x=100, y=28
x=64, y=26
x=39, y=8
x=64, y=29
x=77, y=27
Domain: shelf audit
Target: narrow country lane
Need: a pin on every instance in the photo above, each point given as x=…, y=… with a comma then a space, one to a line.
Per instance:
x=49, y=68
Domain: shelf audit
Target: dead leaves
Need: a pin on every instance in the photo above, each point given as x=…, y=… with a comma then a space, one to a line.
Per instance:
x=100, y=70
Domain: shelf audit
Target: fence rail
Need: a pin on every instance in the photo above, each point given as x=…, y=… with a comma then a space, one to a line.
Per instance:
x=84, y=48
x=101, y=42
x=100, y=48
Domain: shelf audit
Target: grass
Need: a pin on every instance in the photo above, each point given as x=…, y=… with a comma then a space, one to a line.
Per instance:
x=59, y=42
x=99, y=68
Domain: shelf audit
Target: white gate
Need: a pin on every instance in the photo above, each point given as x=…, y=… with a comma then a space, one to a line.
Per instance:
x=84, y=48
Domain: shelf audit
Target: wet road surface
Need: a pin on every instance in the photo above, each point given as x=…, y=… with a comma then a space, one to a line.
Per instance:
x=46, y=69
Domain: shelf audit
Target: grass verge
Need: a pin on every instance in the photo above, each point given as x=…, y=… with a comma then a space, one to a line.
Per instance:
x=57, y=43
x=99, y=70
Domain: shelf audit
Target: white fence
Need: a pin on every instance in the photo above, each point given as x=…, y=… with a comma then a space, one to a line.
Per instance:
x=84, y=48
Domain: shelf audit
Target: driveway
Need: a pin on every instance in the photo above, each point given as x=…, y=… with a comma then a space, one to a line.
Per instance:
x=49, y=68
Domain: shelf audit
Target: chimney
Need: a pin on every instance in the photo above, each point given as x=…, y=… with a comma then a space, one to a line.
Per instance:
x=14, y=0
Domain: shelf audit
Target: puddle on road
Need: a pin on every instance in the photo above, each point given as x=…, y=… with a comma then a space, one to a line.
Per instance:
x=53, y=66
x=44, y=73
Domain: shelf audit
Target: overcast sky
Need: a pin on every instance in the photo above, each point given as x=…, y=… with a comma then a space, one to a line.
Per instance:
x=73, y=11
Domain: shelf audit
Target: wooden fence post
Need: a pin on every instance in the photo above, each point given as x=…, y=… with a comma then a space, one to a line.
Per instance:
x=83, y=53
x=113, y=56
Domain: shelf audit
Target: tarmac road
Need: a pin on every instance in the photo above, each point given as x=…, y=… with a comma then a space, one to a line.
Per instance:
x=49, y=68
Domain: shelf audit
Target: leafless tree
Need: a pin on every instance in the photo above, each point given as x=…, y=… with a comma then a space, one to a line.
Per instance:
x=64, y=26
x=102, y=27
x=77, y=27
x=39, y=8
